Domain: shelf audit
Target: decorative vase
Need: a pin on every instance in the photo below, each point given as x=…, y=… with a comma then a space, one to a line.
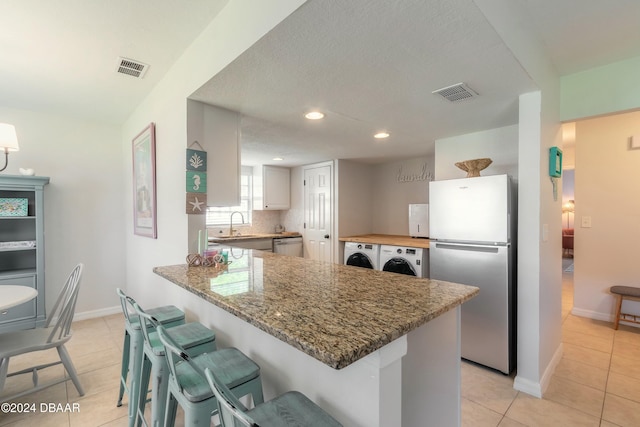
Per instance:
x=474, y=166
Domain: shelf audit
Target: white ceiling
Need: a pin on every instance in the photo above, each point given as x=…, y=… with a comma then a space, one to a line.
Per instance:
x=60, y=56
x=372, y=65
x=368, y=64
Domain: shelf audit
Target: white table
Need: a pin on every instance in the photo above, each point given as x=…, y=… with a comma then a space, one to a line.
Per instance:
x=12, y=295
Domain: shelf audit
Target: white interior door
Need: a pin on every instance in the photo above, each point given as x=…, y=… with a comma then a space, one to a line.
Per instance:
x=318, y=196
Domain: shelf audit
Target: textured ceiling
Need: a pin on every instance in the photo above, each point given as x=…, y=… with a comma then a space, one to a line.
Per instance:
x=60, y=56
x=582, y=34
x=369, y=65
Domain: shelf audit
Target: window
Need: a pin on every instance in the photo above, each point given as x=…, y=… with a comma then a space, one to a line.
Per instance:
x=219, y=216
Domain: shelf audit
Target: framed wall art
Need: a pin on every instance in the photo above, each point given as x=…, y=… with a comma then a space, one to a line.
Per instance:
x=144, y=183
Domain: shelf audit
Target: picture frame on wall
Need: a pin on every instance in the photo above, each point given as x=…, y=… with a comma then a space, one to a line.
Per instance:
x=144, y=183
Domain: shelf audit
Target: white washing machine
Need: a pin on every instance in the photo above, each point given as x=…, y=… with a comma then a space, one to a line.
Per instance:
x=404, y=260
x=366, y=255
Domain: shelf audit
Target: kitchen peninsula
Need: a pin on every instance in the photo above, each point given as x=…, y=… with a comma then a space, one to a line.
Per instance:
x=372, y=348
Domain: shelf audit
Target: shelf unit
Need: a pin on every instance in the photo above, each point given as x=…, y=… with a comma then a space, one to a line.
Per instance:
x=22, y=250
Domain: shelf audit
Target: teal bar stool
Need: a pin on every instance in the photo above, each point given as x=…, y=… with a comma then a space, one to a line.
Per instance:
x=168, y=316
x=189, y=388
x=194, y=337
x=291, y=409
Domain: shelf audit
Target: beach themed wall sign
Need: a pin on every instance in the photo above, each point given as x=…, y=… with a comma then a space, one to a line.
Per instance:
x=196, y=180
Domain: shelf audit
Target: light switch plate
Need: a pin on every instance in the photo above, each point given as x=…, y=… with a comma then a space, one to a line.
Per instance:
x=545, y=232
x=586, y=222
x=634, y=142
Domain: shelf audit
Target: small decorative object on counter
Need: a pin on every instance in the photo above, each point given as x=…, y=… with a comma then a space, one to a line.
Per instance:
x=196, y=178
x=219, y=261
x=474, y=166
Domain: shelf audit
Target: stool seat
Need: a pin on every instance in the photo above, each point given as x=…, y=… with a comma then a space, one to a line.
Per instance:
x=629, y=291
x=188, y=335
x=292, y=409
x=164, y=315
x=622, y=293
x=234, y=367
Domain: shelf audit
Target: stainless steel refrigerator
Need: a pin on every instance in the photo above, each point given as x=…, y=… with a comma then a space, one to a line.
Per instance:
x=472, y=232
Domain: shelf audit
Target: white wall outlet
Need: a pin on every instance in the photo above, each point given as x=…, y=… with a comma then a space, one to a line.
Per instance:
x=586, y=222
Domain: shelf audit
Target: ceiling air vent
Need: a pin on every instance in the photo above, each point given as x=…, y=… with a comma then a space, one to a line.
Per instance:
x=131, y=67
x=456, y=92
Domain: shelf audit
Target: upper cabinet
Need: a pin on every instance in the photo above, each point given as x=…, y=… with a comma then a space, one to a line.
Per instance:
x=218, y=131
x=271, y=188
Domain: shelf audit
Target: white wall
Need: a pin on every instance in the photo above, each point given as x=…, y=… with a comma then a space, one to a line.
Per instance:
x=602, y=90
x=607, y=190
x=568, y=157
x=240, y=24
x=395, y=186
x=354, y=200
x=84, y=209
x=500, y=145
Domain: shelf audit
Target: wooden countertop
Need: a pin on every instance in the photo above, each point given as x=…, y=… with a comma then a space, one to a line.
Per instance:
x=389, y=239
x=334, y=313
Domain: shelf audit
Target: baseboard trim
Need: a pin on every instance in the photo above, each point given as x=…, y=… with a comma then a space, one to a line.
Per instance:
x=596, y=315
x=97, y=313
x=537, y=389
x=551, y=368
x=527, y=386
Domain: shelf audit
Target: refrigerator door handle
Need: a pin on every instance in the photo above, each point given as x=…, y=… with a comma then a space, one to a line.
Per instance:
x=465, y=247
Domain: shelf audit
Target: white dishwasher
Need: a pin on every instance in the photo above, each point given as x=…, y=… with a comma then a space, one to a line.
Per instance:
x=291, y=246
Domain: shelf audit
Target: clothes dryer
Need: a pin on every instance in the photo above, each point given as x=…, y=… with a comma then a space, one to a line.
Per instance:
x=404, y=260
x=366, y=255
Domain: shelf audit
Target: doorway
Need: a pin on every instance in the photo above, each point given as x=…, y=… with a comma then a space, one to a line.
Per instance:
x=318, y=211
x=568, y=215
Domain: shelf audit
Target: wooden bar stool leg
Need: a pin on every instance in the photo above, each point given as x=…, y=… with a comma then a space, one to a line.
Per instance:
x=618, y=310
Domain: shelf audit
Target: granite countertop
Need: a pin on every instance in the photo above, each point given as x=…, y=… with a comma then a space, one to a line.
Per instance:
x=334, y=313
x=254, y=236
x=389, y=239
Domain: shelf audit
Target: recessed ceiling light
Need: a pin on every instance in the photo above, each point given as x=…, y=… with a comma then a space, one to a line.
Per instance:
x=381, y=135
x=314, y=115
x=278, y=159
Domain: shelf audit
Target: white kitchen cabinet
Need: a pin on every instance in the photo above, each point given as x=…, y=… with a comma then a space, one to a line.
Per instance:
x=271, y=188
x=218, y=132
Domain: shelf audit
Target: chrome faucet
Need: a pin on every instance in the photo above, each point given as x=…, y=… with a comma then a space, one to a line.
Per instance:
x=231, y=221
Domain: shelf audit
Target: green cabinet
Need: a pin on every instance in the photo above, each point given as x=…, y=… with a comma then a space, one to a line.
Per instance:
x=22, y=247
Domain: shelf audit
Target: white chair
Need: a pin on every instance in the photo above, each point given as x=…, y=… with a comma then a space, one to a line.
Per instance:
x=53, y=335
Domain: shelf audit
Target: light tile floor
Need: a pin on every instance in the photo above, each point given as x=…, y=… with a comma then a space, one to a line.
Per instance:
x=597, y=382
